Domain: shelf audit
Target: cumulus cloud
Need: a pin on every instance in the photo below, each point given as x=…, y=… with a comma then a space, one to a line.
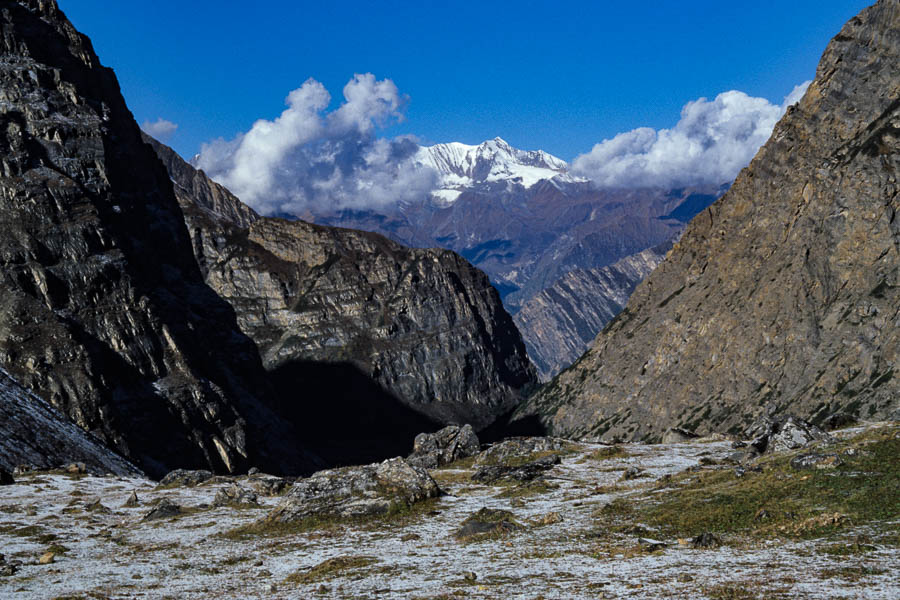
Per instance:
x=710, y=144
x=160, y=129
x=311, y=158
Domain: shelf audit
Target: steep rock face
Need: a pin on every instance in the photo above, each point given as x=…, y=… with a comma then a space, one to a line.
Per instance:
x=425, y=325
x=559, y=323
x=784, y=294
x=526, y=239
x=35, y=434
x=103, y=311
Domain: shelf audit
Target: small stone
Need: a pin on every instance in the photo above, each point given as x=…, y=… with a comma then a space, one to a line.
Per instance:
x=632, y=473
x=762, y=515
x=651, y=545
x=47, y=558
x=706, y=540
x=470, y=575
x=76, y=469
x=253, y=471
x=816, y=461
x=166, y=508
x=132, y=500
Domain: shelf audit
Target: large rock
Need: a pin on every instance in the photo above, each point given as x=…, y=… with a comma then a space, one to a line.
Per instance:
x=422, y=325
x=364, y=491
x=103, y=311
x=785, y=432
x=431, y=450
x=780, y=297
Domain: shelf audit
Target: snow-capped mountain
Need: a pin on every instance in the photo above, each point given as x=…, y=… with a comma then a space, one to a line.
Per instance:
x=463, y=167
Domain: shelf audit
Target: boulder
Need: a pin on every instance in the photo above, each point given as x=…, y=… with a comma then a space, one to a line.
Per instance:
x=268, y=485
x=487, y=522
x=785, y=432
x=431, y=450
x=518, y=448
x=524, y=472
x=360, y=491
x=185, y=478
x=165, y=509
x=235, y=495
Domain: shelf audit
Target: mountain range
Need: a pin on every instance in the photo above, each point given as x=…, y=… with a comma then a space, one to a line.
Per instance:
x=783, y=296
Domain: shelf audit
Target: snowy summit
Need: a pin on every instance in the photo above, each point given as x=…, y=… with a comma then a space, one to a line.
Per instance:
x=462, y=166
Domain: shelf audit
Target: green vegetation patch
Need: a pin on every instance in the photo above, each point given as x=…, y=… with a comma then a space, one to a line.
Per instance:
x=399, y=514
x=331, y=569
x=781, y=501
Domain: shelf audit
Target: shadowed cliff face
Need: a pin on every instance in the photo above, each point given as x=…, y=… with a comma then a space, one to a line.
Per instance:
x=103, y=311
x=423, y=327
x=782, y=296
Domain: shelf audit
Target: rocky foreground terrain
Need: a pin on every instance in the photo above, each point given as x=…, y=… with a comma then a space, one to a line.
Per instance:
x=815, y=515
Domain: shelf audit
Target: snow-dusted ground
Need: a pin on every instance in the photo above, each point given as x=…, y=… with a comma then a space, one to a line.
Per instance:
x=116, y=555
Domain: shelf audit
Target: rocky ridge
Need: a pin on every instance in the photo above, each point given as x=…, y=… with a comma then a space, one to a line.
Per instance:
x=103, y=311
x=783, y=295
x=559, y=323
x=422, y=324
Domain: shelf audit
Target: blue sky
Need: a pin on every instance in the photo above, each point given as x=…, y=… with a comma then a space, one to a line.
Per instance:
x=550, y=75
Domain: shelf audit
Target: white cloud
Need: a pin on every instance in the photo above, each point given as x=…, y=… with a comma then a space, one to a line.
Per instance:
x=308, y=157
x=710, y=144
x=160, y=129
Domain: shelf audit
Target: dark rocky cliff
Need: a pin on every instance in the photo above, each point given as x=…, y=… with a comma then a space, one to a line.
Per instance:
x=782, y=296
x=560, y=322
x=103, y=311
x=34, y=434
x=423, y=324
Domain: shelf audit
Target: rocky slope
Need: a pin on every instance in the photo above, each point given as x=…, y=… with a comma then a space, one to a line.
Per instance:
x=423, y=325
x=527, y=238
x=560, y=322
x=35, y=434
x=782, y=295
x=103, y=311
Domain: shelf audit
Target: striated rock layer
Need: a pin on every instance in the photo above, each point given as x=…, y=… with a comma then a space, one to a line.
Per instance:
x=784, y=295
x=423, y=324
x=560, y=322
x=103, y=311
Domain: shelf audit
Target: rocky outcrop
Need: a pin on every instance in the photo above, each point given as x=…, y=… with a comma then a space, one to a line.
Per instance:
x=782, y=296
x=365, y=491
x=560, y=322
x=423, y=325
x=35, y=435
x=452, y=443
x=103, y=312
